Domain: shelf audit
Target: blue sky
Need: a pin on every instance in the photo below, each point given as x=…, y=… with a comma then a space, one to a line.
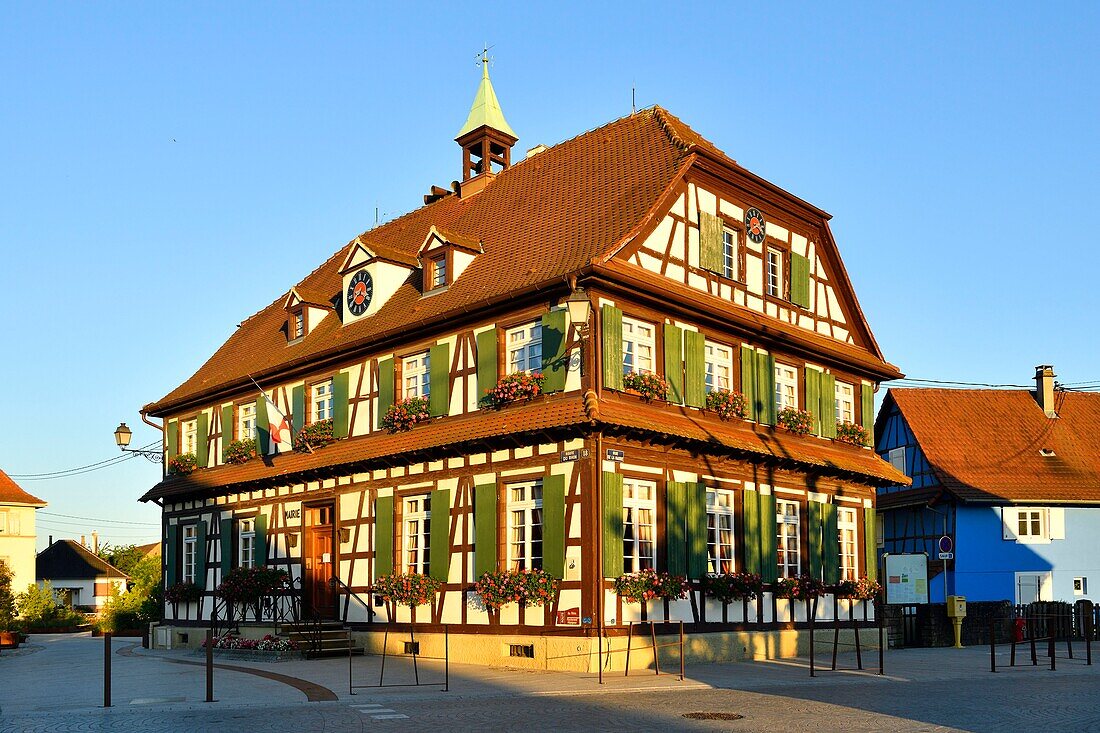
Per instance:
x=167, y=170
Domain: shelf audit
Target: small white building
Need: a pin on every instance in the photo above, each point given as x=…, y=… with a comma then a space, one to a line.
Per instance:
x=17, y=532
x=78, y=576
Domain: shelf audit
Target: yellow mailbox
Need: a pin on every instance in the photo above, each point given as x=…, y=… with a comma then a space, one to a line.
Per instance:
x=956, y=611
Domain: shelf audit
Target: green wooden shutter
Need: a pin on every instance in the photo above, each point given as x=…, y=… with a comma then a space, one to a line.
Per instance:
x=676, y=538
x=748, y=381
x=485, y=529
x=696, y=498
x=815, y=540
x=385, y=388
x=695, y=367
x=830, y=545
x=298, y=408
x=340, y=412
x=173, y=439
x=263, y=427
x=439, y=555
x=828, y=406
x=813, y=397
x=259, y=544
x=611, y=321
x=870, y=543
x=769, y=560
x=800, y=280
x=383, y=536
x=674, y=363
x=200, y=553
x=612, y=524
x=202, y=440
x=710, y=243
x=555, y=362
x=225, y=529
x=750, y=529
x=765, y=388
x=439, y=362
x=553, y=525
x=867, y=397
x=486, y=363
x=171, y=556
x=227, y=429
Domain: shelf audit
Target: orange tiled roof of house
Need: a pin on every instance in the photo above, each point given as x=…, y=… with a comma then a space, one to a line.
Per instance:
x=12, y=493
x=988, y=445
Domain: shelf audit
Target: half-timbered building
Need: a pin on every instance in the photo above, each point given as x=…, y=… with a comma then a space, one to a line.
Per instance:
x=635, y=248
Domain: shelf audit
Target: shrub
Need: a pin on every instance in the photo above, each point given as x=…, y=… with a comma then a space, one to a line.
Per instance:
x=727, y=405
x=847, y=432
x=183, y=592
x=649, y=386
x=646, y=584
x=39, y=609
x=513, y=388
x=182, y=464
x=407, y=589
x=241, y=451
x=7, y=600
x=525, y=587
x=403, y=414
x=729, y=587
x=313, y=436
x=799, y=422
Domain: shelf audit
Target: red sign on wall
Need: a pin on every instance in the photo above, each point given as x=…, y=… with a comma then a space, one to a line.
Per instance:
x=569, y=617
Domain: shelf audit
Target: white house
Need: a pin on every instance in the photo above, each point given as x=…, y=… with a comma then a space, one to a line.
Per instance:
x=17, y=531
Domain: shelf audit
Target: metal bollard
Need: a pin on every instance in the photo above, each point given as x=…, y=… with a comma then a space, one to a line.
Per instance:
x=210, y=666
x=107, y=670
x=1050, y=649
x=992, y=645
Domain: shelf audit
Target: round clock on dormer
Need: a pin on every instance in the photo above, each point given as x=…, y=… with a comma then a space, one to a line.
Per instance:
x=755, y=225
x=360, y=291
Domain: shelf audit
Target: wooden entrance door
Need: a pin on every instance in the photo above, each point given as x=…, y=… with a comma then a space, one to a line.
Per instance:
x=320, y=560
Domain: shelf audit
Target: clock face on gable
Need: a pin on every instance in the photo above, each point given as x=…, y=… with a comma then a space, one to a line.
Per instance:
x=360, y=292
x=755, y=225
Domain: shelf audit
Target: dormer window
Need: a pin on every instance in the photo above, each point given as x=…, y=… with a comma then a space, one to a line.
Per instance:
x=444, y=256
x=438, y=268
x=297, y=325
x=305, y=308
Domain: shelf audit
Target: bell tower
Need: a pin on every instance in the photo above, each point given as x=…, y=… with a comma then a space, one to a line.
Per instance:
x=486, y=138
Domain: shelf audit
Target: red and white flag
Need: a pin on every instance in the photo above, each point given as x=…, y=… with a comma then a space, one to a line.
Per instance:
x=280, y=434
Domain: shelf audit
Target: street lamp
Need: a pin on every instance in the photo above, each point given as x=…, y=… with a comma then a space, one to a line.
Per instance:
x=580, y=310
x=122, y=439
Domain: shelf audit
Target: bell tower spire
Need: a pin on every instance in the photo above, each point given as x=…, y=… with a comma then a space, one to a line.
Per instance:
x=486, y=138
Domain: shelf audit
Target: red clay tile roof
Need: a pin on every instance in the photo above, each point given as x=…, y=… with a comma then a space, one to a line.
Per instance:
x=558, y=411
x=984, y=444
x=11, y=493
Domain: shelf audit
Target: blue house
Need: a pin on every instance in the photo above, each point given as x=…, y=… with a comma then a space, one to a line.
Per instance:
x=1012, y=476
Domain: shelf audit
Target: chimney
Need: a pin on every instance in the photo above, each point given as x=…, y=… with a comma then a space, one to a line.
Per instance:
x=51, y=540
x=83, y=541
x=1044, y=388
x=95, y=542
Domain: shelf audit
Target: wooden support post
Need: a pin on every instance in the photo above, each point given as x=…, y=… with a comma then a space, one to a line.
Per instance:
x=812, y=612
x=992, y=645
x=682, y=651
x=1031, y=638
x=656, y=651
x=879, y=616
x=209, y=666
x=107, y=670
x=629, y=637
x=1050, y=647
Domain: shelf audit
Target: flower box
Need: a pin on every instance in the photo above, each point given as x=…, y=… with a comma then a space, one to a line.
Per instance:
x=314, y=436
x=407, y=589
x=650, y=386
x=183, y=464
x=802, y=588
x=726, y=404
x=241, y=451
x=528, y=588
x=799, y=422
x=730, y=587
x=405, y=413
x=862, y=589
x=645, y=585
x=514, y=388
x=185, y=592
x=847, y=432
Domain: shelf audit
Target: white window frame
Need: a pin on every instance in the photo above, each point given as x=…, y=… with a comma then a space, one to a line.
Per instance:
x=639, y=525
x=439, y=271
x=416, y=533
x=719, y=366
x=189, y=437
x=524, y=345
x=416, y=375
x=786, y=386
x=1033, y=522
x=845, y=402
x=247, y=543
x=4, y=514
x=773, y=272
x=721, y=531
x=246, y=421
x=788, y=532
x=896, y=456
x=298, y=321
x=639, y=346
x=525, y=525
x=190, y=552
x=848, y=537
x=729, y=253
x=320, y=400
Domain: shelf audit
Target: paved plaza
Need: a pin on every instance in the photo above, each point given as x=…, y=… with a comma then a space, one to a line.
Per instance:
x=56, y=685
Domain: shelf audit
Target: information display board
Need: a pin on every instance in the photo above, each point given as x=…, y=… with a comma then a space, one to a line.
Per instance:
x=906, y=578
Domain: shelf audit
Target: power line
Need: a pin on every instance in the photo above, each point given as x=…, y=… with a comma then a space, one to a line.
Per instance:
x=961, y=384
x=92, y=519
x=76, y=471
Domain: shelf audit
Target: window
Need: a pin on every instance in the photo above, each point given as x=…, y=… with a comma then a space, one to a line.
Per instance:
x=729, y=253
x=190, y=552
x=525, y=525
x=786, y=387
x=248, y=543
x=439, y=271
x=719, y=531
x=416, y=371
x=845, y=403
x=189, y=436
x=897, y=458
x=774, y=273
x=12, y=523
x=297, y=325
x=637, y=346
x=846, y=528
x=639, y=538
x=246, y=421
x=525, y=348
x=786, y=528
x=4, y=524
x=1029, y=524
x=418, y=533
x=719, y=366
x=320, y=400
